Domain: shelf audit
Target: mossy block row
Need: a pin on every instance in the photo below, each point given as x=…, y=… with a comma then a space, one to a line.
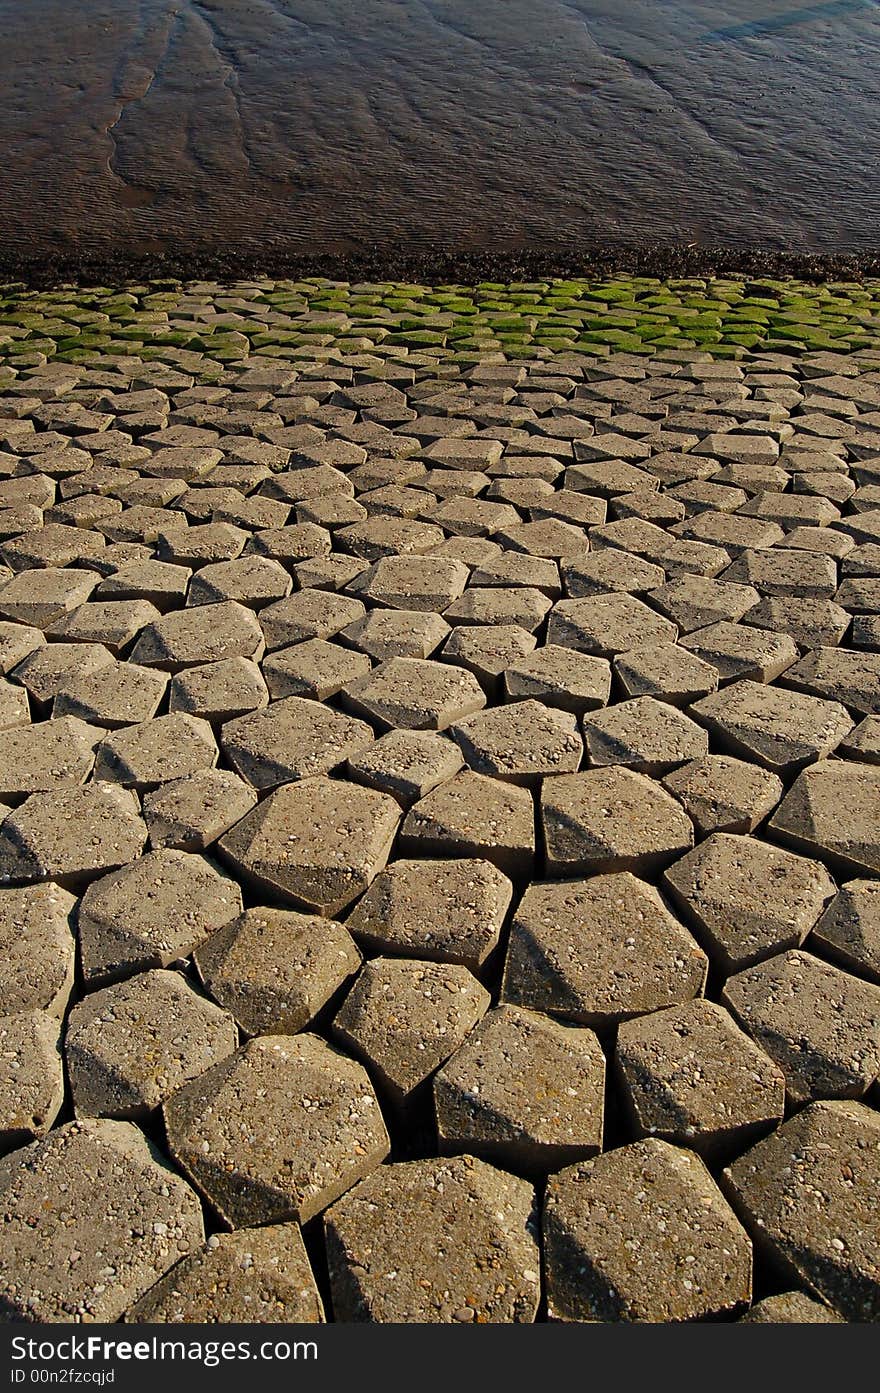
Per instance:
x=275, y=318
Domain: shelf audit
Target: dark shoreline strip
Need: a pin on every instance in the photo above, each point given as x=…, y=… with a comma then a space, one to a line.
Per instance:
x=437, y=265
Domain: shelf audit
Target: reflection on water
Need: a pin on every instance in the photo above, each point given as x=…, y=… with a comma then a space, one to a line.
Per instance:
x=769, y=24
x=317, y=125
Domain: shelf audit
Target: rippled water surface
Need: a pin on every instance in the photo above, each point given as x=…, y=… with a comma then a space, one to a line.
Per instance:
x=343, y=125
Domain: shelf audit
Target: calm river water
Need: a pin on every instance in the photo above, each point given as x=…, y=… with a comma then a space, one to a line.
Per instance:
x=313, y=126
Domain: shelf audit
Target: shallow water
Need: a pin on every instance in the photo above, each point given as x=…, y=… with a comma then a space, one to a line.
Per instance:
x=311, y=126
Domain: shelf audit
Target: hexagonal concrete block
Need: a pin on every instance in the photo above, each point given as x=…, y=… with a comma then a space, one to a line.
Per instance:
x=38, y=597
x=559, y=677
x=849, y=930
x=598, y=951
x=219, y=691
x=37, y=949
x=841, y=676
x=293, y=739
x=72, y=835
x=31, y=1076
x=690, y=1076
x=779, y=729
x=833, y=811
x=253, y=581
x=396, y=633
x=821, y=1025
x=524, y=1091
x=318, y=843
x=191, y=813
x=408, y=764
x=666, y=671
x=114, y=623
x=151, y=913
x=186, y=637
x=604, y=572
x=277, y=1131
x=448, y=911
x=314, y=669
x=521, y=743
x=254, y=1276
x=44, y=757
x=131, y=1044
x=808, y=1193
x=113, y=695
x=56, y=1242
x=145, y=755
x=610, y=820
x=424, y=583
x=646, y=735
x=275, y=969
x=736, y=651
x=607, y=624
x=476, y=1260
x=692, y=602
x=694, y=1259
x=473, y=815
x=415, y=694
x=404, y=1017
x=47, y=671
x=789, y=1308
x=308, y=614
x=747, y=899
x=487, y=650
x=522, y=605
x=784, y=572
x=723, y=794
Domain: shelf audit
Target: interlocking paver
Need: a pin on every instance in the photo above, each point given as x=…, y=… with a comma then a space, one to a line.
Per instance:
x=191, y=813
x=808, y=1190
x=130, y=1045
x=152, y=913
x=404, y=1017
x=723, y=794
x=657, y=1200
x=607, y=624
x=610, y=819
x=480, y=634
x=275, y=969
x=692, y=1077
x=479, y=1259
x=31, y=1076
x=781, y=730
x=849, y=929
x=55, y=1255
x=276, y=1131
x=599, y=950
x=254, y=1275
x=644, y=734
x=292, y=739
x=748, y=899
x=319, y=842
x=415, y=694
x=833, y=811
x=523, y=1090
x=821, y=1025
x=71, y=835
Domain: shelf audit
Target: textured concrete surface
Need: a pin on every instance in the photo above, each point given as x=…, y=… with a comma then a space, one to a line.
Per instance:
x=434, y=778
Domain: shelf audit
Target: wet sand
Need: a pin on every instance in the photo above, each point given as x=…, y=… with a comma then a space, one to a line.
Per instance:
x=404, y=136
